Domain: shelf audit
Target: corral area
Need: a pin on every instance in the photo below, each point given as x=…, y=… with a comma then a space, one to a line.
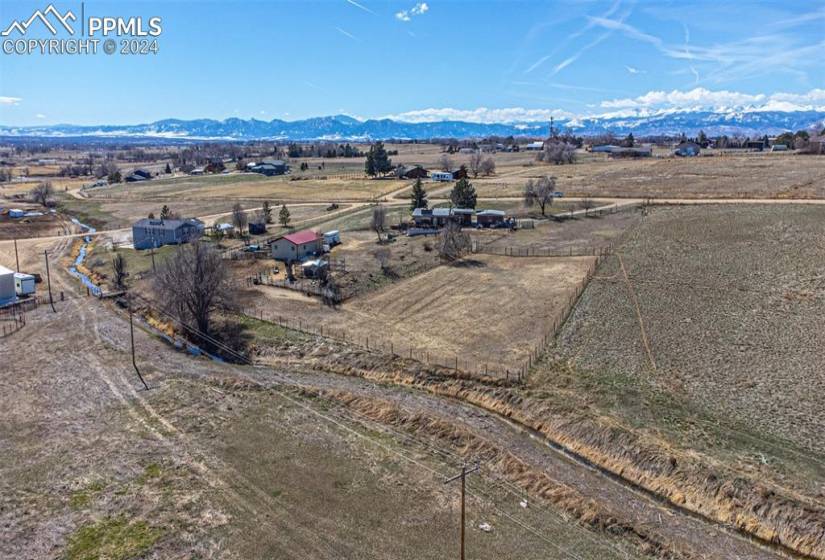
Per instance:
x=719, y=305
x=486, y=312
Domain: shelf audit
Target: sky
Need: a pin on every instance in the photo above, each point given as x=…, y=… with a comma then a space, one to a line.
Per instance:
x=483, y=61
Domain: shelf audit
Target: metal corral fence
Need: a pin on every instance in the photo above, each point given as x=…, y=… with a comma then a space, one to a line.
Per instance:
x=485, y=371
x=307, y=287
x=13, y=317
x=542, y=251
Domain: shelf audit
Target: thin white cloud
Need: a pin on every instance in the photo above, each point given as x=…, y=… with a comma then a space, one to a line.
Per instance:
x=480, y=115
x=40, y=116
x=634, y=70
x=613, y=8
x=360, y=6
x=347, y=34
x=10, y=100
x=418, y=10
x=571, y=59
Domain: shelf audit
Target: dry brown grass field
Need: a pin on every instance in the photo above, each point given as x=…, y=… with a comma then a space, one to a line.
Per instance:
x=484, y=310
x=251, y=186
x=730, y=176
x=730, y=300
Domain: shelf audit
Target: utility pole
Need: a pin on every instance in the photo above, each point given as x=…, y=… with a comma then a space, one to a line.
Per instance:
x=132, y=337
x=16, y=258
x=49, y=280
x=463, y=478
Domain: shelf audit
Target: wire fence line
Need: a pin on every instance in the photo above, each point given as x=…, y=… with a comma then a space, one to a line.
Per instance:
x=512, y=372
x=462, y=366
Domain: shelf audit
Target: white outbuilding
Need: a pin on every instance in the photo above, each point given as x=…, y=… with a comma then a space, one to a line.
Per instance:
x=7, y=293
x=24, y=284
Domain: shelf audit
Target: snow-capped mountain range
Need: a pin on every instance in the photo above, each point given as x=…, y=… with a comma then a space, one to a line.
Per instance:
x=342, y=127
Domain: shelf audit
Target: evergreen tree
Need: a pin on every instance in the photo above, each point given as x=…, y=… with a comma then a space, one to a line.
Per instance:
x=369, y=165
x=418, y=197
x=168, y=169
x=702, y=139
x=463, y=194
x=629, y=141
x=283, y=216
x=165, y=213
x=266, y=210
x=378, y=161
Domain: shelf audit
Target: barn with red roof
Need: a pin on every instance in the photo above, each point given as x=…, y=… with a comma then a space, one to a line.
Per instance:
x=297, y=246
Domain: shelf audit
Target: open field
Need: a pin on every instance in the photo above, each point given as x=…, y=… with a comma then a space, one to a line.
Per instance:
x=730, y=176
x=115, y=214
x=448, y=311
x=730, y=300
x=251, y=186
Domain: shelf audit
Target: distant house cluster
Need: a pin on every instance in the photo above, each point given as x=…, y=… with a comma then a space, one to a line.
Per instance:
x=152, y=233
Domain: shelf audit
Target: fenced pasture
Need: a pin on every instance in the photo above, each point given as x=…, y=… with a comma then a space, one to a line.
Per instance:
x=486, y=315
x=720, y=306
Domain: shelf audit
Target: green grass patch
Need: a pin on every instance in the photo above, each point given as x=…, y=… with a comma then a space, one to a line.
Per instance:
x=88, y=212
x=112, y=538
x=82, y=498
x=265, y=331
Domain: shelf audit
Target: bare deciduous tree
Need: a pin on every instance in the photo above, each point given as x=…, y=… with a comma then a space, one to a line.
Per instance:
x=42, y=193
x=379, y=220
x=119, y=269
x=446, y=162
x=382, y=255
x=239, y=218
x=476, y=160
x=558, y=153
x=488, y=166
x=540, y=192
x=588, y=204
x=193, y=284
x=453, y=242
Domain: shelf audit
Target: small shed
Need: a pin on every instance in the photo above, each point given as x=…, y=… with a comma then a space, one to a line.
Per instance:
x=441, y=176
x=23, y=284
x=296, y=246
x=16, y=213
x=313, y=268
x=779, y=148
x=7, y=291
x=534, y=146
x=257, y=228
